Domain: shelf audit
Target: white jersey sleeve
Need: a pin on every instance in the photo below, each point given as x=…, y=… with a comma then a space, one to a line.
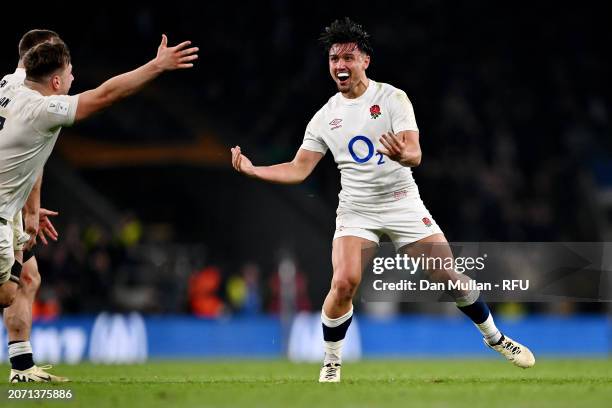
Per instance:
x=313, y=138
x=402, y=113
x=53, y=112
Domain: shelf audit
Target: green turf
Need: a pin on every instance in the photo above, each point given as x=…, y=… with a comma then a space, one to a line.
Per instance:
x=380, y=383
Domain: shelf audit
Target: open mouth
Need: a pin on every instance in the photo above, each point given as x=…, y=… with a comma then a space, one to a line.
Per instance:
x=343, y=77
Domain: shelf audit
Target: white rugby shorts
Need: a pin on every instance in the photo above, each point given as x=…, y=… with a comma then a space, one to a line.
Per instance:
x=405, y=221
x=12, y=238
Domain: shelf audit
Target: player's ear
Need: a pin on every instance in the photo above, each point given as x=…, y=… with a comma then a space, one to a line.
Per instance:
x=56, y=82
x=366, y=61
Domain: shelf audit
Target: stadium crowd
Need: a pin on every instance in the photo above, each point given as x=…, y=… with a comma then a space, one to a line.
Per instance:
x=511, y=119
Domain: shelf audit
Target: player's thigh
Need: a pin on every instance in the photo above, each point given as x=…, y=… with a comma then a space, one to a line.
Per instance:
x=350, y=254
x=438, y=254
x=434, y=245
x=20, y=237
x=7, y=255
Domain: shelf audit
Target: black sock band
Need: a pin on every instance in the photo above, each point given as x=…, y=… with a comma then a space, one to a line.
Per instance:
x=23, y=361
x=336, y=333
x=477, y=311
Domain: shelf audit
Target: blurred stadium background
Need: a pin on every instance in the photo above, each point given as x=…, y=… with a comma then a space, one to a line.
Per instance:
x=161, y=243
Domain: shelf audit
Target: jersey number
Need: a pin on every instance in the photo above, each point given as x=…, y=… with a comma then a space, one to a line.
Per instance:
x=2, y=122
x=370, y=153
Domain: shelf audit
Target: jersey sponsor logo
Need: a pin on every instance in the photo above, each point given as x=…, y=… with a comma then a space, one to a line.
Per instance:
x=335, y=124
x=375, y=111
x=427, y=222
x=58, y=107
x=370, y=146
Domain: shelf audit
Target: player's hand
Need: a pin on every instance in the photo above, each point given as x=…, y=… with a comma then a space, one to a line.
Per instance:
x=241, y=163
x=31, y=228
x=177, y=57
x=394, y=147
x=46, y=228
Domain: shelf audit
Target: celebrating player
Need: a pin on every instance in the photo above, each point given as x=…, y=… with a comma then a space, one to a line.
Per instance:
x=31, y=117
x=18, y=316
x=372, y=133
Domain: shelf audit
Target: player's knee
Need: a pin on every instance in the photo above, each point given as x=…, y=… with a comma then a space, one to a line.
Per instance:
x=30, y=278
x=441, y=275
x=8, y=292
x=344, y=288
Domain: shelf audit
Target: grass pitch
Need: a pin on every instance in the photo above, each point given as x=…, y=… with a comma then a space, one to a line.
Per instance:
x=376, y=383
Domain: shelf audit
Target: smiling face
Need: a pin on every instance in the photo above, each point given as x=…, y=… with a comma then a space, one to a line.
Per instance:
x=347, y=66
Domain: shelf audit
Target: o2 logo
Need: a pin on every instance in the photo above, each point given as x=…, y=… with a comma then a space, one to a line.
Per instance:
x=368, y=156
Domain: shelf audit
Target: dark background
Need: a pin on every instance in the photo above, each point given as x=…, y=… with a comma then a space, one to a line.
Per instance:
x=512, y=101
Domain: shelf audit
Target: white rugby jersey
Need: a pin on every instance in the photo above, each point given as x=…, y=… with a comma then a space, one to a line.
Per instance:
x=351, y=129
x=29, y=126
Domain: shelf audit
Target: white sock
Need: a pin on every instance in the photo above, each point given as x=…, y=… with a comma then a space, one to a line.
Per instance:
x=488, y=329
x=17, y=349
x=333, y=349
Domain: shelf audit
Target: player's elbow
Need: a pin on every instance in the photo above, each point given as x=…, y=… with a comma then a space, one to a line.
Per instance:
x=299, y=173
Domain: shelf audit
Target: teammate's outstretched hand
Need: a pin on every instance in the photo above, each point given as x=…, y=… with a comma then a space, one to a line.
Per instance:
x=177, y=57
x=46, y=228
x=241, y=163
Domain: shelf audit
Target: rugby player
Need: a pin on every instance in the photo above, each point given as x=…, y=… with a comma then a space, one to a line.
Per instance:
x=32, y=114
x=370, y=129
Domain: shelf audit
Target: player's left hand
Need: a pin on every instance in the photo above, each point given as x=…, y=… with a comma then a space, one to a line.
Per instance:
x=177, y=57
x=46, y=228
x=395, y=147
x=31, y=221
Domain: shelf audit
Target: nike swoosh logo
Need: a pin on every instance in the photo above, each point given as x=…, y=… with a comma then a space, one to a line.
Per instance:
x=47, y=378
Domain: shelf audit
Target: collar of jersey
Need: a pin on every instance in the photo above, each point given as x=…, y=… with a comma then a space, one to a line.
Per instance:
x=21, y=72
x=359, y=99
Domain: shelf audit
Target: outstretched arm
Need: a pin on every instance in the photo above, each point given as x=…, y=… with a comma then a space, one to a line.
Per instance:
x=293, y=172
x=121, y=86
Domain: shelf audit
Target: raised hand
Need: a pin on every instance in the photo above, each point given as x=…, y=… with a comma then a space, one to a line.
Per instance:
x=46, y=228
x=395, y=147
x=241, y=163
x=177, y=57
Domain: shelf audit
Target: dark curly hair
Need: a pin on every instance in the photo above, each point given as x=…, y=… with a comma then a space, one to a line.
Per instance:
x=346, y=31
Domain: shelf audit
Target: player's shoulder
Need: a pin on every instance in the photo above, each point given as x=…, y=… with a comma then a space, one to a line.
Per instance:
x=325, y=110
x=387, y=90
x=392, y=95
x=13, y=80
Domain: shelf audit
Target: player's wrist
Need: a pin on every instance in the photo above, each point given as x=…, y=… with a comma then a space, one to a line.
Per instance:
x=155, y=66
x=254, y=172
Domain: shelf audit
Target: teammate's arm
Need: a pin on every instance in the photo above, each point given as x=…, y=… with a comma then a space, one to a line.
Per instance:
x=121, y=86
x=293, y=172
x=403, y=147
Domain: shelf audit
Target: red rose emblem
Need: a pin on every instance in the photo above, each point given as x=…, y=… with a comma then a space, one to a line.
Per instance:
x=375, y=111
x=427, y=222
